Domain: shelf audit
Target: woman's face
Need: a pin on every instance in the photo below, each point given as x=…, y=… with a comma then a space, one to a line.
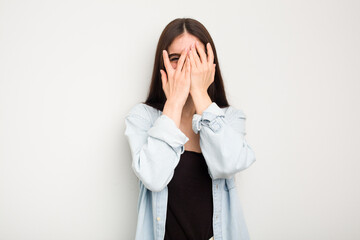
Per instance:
x=179, y=44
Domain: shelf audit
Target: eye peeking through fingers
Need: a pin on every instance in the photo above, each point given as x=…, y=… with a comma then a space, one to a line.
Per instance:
x=174, y=57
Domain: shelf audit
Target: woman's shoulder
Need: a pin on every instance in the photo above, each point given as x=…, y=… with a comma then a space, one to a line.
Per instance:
x=144, y=111
x=232, y=110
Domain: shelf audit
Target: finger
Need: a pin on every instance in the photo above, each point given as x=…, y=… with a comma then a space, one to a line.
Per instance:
x=180, y=63
x=192, y=60
x=213, y=73
x=163, y=77
x=201, y=52
x=187, y=73
x=167, y=63
x=195, y=56
x=210, y=52
x=164, y=81
x=183, y=71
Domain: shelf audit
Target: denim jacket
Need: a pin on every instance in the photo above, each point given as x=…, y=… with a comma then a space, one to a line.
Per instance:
x=156, y=144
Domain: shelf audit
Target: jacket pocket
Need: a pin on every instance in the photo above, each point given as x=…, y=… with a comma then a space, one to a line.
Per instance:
x=230, y=183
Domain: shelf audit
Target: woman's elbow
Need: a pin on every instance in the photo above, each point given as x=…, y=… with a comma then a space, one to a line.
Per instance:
x=246, y=159
x=153, y=179
x=154, y=186
x=233, y=163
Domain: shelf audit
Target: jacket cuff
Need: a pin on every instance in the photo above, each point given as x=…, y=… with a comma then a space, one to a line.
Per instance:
x=165, y=129
x=208, y=118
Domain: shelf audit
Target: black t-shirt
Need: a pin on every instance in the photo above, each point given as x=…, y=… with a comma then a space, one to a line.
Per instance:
x=190, y=202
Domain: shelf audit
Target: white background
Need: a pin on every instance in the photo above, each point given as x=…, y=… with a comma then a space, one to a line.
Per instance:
x=71, y=70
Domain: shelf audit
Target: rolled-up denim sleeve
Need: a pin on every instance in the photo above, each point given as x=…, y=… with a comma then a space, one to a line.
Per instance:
x=155, y=148
x=222, y=140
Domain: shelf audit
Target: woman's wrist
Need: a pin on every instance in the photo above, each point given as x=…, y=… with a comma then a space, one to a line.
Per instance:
x=173, y=110
x=201, y=101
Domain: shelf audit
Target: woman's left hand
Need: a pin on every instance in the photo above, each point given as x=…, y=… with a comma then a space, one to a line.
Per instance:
x=202, y=69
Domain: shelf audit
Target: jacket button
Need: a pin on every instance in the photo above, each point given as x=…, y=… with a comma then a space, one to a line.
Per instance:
x=158, y=218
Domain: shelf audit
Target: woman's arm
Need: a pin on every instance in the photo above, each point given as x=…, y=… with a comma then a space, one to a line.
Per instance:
x=222, y=140
x=155, y=149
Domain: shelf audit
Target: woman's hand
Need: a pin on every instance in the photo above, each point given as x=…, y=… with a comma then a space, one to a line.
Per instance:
x=176, y=83
x=202, y=69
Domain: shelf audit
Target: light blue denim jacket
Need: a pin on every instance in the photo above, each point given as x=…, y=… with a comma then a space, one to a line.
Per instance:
x=156, y=145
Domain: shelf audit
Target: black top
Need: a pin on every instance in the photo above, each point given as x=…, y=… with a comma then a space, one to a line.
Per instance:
x=190, y=202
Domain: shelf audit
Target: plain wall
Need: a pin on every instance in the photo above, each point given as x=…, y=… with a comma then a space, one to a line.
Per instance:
x=71, y=70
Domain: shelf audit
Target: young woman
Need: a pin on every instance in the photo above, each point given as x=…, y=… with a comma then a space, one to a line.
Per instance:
x=187, y=143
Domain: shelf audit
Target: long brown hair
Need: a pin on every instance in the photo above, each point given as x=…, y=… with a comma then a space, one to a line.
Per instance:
x=156, y=96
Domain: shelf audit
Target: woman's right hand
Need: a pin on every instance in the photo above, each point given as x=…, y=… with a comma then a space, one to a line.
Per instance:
x=176, y=83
